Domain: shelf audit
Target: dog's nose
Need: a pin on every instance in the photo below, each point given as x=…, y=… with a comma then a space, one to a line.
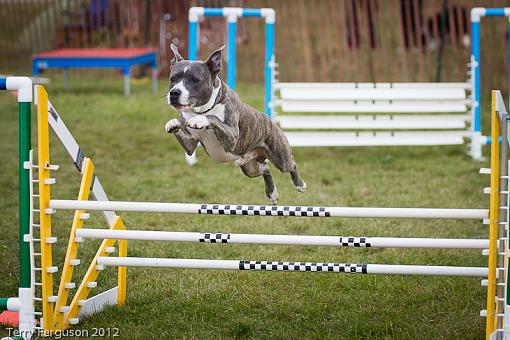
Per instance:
x=175, y=93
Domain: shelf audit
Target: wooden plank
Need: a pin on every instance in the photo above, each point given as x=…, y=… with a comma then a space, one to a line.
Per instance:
x=332, y=72
x=377, y=48
x=417, y=12
x=318, y=21
x=305, y=39
x=338, y=16
x=404, y=65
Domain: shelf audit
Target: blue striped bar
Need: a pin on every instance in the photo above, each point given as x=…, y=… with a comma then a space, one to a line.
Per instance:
x=3, y=84
x=494, y=12
x=252, y=12
x=213, y=12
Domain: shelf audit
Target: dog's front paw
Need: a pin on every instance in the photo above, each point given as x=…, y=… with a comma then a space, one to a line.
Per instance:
x=198, y=122
x=172, y=125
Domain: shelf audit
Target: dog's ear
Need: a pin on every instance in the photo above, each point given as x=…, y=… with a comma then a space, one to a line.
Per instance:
x=177, y=56
x=214, y=61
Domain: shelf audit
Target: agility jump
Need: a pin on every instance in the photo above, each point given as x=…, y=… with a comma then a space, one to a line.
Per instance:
x=484, y=215
x=58, y=313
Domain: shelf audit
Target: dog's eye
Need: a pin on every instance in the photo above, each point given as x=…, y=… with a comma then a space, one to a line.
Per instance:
x=173, y=79
x=195, y=80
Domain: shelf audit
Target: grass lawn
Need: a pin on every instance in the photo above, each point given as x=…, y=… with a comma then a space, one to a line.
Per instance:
x=137, y=161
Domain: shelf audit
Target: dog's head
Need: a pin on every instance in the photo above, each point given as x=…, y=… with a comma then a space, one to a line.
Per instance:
x=192, y=82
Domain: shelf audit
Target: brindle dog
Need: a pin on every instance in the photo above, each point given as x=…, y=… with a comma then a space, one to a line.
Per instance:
x=229, y=130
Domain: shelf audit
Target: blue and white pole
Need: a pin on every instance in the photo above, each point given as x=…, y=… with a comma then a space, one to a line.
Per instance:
x=477, y=139
x=231, y=51
x=195, y=13
x=232, y=14
x=476, y=145
x=269, y=61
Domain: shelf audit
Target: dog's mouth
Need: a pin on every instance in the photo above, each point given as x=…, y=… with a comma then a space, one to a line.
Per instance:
x=182, y=107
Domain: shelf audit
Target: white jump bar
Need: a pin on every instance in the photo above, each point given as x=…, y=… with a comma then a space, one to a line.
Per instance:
x=381, y=138
x=422, y=94
x=351, y=107
x=374, y=122
x=347, y=268
x=262, y=210
x=339, y=241
x=441, y=85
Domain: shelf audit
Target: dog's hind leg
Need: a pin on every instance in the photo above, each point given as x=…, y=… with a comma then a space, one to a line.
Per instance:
x=270, y=187
x=299, y=184
x=255, y=169
x=285, y=163
x=256, y=153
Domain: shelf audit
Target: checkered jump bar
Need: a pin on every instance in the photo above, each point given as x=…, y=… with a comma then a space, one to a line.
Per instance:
x=262, y=210
x=304, y=240
x=349, y=268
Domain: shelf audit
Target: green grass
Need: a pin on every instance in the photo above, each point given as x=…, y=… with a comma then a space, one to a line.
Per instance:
x=137, y=161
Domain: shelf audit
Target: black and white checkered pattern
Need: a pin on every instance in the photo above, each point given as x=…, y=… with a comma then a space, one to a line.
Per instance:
x=214, y=238
x=78, y=162
x=53, y=113
x=354, y=242
x=263, y=210
x=304, y=266
x=93, y=181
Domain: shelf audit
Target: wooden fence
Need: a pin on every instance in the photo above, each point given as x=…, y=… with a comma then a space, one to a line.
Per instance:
x=316, y=40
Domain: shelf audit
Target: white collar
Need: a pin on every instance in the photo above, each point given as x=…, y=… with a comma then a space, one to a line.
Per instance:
x=212, y=101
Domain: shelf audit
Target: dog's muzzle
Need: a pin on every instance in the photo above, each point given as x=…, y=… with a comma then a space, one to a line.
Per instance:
x=174, y=96
x=174, y=99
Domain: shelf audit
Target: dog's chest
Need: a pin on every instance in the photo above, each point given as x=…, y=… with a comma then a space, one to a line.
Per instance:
x=208, y=139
